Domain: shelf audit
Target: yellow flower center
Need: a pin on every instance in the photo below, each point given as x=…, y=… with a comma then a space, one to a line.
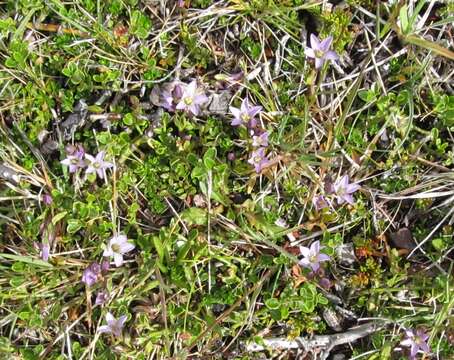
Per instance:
x=245, y=117
x=116, y=248
x=188, y=100
x=318, y=53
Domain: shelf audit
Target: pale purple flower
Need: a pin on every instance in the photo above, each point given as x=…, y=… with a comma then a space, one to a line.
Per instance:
x=45, y=251
x=101, y=297
x=416, y=342
x=180, y=3
x=118, y=246
x=191, y=99
x=260, y=140
x=344, y=190
x=258, y=159
x=312, y=257
x=113, y=326
x=319, y=202
x=91, y=274
x=97, y=164
x=74, y=162
x=245, y=114
x=320, y=50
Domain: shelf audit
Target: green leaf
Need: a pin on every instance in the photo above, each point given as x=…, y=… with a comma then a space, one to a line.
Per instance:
x=27, y=260
x=195, y=216
x=209, y=159
x=73, y=226
x=140, y=24
x=272, y=304
x=59, y=217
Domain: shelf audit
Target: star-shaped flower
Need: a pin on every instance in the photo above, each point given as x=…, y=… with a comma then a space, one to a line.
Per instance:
x=245, y=114
x=74, y=163
x=344, y=190
x=312, y=256
x=416, y=342
x=260, y=140
x=258, y=159
x=320, y=50
x=113, y=326
x=191, y=99
x=116, y=247
x=97, y=164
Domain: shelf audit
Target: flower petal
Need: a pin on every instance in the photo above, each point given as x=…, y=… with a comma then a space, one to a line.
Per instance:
x=110, y=318
x=118, y=259
x=90, y=158
x=331, y=55
x=315, y=42
x=126, y=247
x=325, y=44
x=323, y=257
x=104, y=329
x=310, y=53
x=319, y=63
x=305, y=251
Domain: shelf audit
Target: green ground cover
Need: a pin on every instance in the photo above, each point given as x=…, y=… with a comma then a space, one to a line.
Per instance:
x=226, y=179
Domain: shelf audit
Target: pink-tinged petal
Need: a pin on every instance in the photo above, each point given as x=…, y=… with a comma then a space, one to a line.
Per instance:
x=191, y=88
x=90, y=169
x=424, y=347
x=118, y=259
x=236, y=122
x=319, y=63
x=414, y=350
x=104, y=329
x=119, y=239
x=66, y=162
x=331, y=55
x=315, y=247
x=325, y=44
x=107, y=165
x=304, y=262
x=306, y=252
x=422, y=335
x=348, y=198
x=315, y=42
x=45, y=251
x=126, y=247
x=108, y=252
x=100, y=173
x=252, y=123
x=406, y=342
x=351, y=188
x=100, y=156
x=181, y=106
x=201, y=99
x=90, y=158
x=194, y=109
x=315, y=266
x=310, y=53
x=110, y=318
x=235, y=112
x=177, y=92
x=122, y=320
x=323, y=257
x=254, y=110
x=340, y=200
x=245, y=106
